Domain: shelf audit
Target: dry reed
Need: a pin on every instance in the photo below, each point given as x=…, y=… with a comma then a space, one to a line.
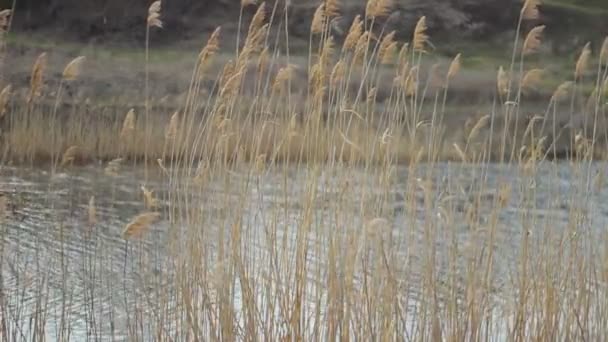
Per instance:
x=529, y=10
x=378, y=8
x=5, y=96
x=420, y=37
x=73, y=69
x=154, y=15
x=532, y=78
x=318, y=20
x=533, y=40
x=139, y=225
x=353, y=35
x=128, y=126
x=454, y=67
x=69, y=156
x=583, y=61
x=37, y=77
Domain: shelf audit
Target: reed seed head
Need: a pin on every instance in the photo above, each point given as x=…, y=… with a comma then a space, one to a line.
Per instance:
x=171, y=130
x=128, y=125
x=529, y=11
x=4, y=18
x=420, y=36
x=411, y=82
x=113, y=168
x=583, y=61
x=258, y=19
x=532, y=79
x=318, y=19
x=73, y=69
x=355, y=31
x=283, y=75
x=150, y=201
x=154, y=15
x=502, y=82
x=454, y=67
x=533, y=40
x=387, y=48
x=139, y=225
x=378, y=8
x=210, y=49
x=481, y=123
x=69, y=155
x=562, y=91
x=37, y=77
x=332, y=8
x=5, y=96
x=604, y=52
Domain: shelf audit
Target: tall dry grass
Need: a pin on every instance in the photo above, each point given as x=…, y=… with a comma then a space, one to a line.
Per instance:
x=330, y=256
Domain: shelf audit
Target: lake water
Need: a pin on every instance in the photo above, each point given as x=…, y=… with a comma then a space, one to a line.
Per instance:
x=57, y=268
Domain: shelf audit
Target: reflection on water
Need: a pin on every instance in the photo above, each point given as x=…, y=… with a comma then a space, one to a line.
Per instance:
x=53, y=259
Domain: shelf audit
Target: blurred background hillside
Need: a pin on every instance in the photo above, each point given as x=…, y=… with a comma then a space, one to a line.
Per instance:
x=111, y=33
x=569, y=22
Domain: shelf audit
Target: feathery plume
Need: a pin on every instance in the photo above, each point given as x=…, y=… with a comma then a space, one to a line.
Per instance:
x=403, y=56
x=128, y=126
x=283, y=75
x=361, y=47
x=604, y=52
x=154, y=15
x=355, y=31
x=378, y=8
x=327, y=51
x=139, y=225
x=171, y=130
x=72, y=70
x=258, y=20
x=531, y=79
x=332, y=8
x=92, y=212
x=36, y=79
x=150, y=201
x=260, y=163
x=318, y=19
x=562, y=91
x=3, y=207
x=385, y=50
x=533, y=40
x=502, y=82
x=337, y=73
x=69, y=155
x=389, y=55
x=477, y=128
x=411, y=82
x=420, y=36
x=207, y=53
x=530, y=10
x=454, y=67
x=4, y=18
x=5, y=96
x=583, y=61
x=434, y=79
x=113, y=167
